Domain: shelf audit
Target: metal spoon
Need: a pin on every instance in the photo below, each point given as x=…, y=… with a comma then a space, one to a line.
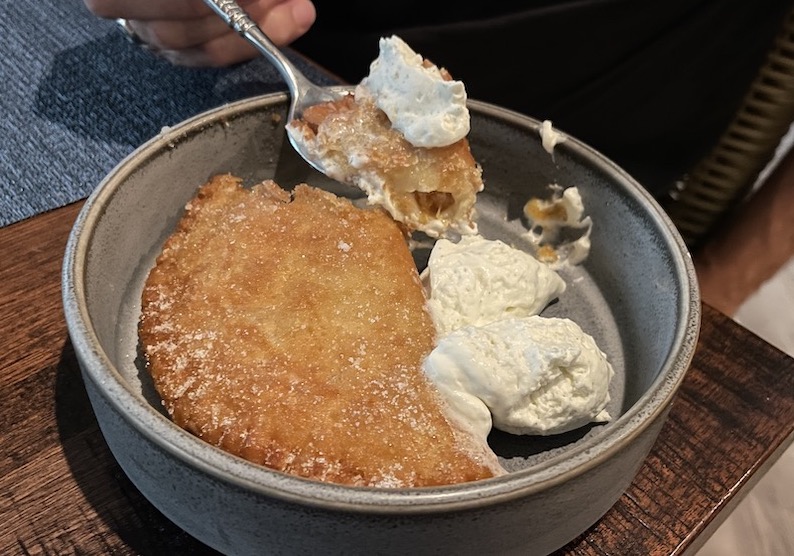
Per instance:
x=303, y=92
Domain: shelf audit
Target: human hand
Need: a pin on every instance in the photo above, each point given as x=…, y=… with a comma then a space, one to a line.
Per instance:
x=189, y=33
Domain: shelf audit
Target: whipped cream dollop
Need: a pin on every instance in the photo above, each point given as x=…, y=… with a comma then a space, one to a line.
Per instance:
x=529, y=375
x=477, y=281
x=498, y=363
x=427, y=109
x=549, y=221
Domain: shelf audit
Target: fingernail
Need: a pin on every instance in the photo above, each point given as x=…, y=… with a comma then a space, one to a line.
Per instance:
x=304, y=14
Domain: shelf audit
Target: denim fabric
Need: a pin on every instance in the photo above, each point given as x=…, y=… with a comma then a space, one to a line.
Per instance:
x=77, y=97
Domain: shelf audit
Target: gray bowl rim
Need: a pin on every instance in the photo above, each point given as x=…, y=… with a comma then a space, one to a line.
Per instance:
x=162, y=432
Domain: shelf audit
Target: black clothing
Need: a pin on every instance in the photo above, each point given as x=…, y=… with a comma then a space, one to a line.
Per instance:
x=650, y=85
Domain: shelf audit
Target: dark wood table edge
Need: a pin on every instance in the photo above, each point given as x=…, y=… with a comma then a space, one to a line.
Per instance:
x=47, y=231
x=732, y=501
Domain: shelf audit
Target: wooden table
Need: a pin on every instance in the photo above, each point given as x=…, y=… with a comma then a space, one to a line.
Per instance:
x=62, y=492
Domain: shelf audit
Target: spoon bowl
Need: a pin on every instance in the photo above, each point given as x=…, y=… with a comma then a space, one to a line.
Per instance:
x=303, y=92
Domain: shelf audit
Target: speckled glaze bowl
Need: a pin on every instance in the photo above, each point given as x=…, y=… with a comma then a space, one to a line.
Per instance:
x=636, y=295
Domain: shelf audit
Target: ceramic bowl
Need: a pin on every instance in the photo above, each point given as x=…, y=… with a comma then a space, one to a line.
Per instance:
x=636, y=294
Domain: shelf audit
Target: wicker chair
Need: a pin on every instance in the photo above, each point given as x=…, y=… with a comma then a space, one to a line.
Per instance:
x=725, y=177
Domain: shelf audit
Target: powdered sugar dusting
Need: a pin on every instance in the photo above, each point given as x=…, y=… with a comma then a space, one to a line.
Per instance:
x=297, y=344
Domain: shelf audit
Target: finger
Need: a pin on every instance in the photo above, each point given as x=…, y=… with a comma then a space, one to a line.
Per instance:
x=179, y=34
x=148, y=9
x=283, y=24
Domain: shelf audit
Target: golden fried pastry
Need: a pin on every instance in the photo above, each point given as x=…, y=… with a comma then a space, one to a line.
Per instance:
x=428, y=189
x=289, y=329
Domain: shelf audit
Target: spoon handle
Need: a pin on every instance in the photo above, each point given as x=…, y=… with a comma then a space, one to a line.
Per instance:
x=236, y=18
